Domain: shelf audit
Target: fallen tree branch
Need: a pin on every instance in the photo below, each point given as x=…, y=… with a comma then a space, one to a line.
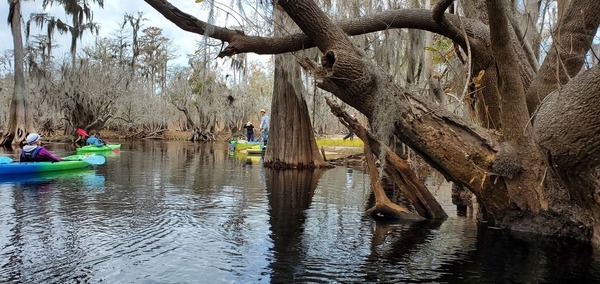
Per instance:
x=384, y=208
x=399, y=170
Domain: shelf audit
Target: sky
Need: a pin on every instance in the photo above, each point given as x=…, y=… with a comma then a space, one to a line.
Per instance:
x=109, y=19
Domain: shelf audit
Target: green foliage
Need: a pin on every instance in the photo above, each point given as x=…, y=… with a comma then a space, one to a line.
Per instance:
x=442, y=49
x=125, y=81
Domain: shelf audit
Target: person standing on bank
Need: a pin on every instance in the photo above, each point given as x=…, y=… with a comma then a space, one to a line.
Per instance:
x=350, y=133
x=34, y=152
x=264, y=125
x=249, y=131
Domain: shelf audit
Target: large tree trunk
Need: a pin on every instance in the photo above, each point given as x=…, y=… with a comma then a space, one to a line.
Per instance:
x=20, y=121
x=465, y=155
x=525, y=165
x=567, y=130
x=566, y=126
x=291, y=142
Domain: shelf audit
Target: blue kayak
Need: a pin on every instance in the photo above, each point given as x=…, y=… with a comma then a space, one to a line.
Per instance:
x=10, y=167
x=45, y=176
x=39, y=167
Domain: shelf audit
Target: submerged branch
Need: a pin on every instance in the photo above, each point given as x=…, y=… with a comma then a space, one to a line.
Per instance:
x=399, y=170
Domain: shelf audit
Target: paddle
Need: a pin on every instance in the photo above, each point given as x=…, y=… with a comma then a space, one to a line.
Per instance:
x=92, y=160
x=5, y=160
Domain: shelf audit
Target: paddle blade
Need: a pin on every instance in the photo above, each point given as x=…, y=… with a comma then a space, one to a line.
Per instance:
x=94, y=160
x=5, y=160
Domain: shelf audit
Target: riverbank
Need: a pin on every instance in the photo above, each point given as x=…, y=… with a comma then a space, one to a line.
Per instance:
x=172, y=135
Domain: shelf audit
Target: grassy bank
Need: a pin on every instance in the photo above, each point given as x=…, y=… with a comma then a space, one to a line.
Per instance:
x=340, y=142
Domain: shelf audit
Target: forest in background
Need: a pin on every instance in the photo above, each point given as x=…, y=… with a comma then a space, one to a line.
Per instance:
x=129, y=82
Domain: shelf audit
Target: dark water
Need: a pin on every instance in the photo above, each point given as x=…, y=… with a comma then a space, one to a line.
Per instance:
x=177, y=212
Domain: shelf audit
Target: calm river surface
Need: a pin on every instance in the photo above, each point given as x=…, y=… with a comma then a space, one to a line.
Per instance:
x=179, y=212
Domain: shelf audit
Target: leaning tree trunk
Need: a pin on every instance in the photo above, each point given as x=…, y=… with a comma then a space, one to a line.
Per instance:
x=291, y=142
x=20, y=121
x=465, y=155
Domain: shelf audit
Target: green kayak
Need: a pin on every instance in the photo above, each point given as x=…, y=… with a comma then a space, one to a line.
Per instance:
x=92, y=148
x=243, y=145
x=40, y=167
x=44, y=176
x=10, y=167
x=255, y=151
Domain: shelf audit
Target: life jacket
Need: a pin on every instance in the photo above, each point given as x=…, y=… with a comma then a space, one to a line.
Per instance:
x=31, y=155
x=93, y=140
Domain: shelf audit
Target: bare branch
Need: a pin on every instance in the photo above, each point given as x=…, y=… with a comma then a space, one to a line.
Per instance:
x=242, y=43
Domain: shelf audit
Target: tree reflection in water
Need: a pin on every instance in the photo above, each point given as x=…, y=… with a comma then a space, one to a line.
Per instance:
x=290, y=194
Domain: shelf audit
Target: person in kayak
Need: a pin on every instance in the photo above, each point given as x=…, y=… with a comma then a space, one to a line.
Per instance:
x=350, y=133
x=34, y=152
x=264, y=125
x=94, y=139
x=249, y=131
x=81, y=138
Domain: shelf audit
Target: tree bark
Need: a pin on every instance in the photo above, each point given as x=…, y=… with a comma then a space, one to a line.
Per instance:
x=567, y=130
x=292, y=143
